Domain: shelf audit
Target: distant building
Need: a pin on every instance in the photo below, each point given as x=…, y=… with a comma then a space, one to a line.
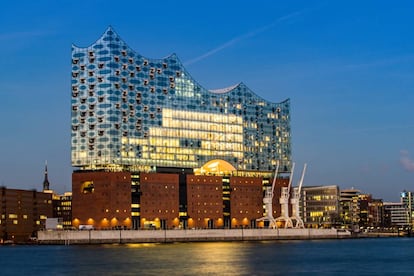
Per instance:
x=148, y=124
x=407, y=198
x=320, y=206
x=23, y=213
x=62, y=209
x=376, y=213
x=396, y=214
x=349, y=205
x=364, y=201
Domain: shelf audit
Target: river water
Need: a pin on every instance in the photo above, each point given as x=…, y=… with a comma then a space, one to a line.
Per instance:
x=375, y=256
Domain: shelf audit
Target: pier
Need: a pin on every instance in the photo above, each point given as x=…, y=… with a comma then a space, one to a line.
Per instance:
x=196, y=235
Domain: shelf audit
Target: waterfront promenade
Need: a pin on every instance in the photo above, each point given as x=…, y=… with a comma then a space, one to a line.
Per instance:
x=160, y=236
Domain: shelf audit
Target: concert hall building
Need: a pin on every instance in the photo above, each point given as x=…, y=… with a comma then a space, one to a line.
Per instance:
x=152, y=148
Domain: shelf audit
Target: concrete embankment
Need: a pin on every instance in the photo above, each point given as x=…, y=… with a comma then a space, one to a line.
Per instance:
x=379, y=234
x=161, y=236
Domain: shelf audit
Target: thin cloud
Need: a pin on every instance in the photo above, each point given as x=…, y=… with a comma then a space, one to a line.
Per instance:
x=245, y=36
x=406, y=162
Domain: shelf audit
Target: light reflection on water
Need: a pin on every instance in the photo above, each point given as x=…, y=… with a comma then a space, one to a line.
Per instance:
x=338, y=257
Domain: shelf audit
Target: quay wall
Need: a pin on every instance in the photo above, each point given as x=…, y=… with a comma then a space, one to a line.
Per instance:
x=164, y=236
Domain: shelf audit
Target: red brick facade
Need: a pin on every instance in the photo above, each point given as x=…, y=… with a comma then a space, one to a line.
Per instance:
x=204, y=201
x=101, y=199
x=23, y=213
x=246, y=200
x=159, y=200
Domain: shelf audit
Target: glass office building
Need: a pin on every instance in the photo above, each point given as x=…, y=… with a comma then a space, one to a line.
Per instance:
x=135, y=113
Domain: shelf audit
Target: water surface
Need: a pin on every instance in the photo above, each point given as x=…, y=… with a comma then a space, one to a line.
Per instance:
x=383, y=256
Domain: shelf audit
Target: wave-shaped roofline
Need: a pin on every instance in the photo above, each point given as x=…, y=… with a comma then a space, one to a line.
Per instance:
x=224, y=90
x=110, y=28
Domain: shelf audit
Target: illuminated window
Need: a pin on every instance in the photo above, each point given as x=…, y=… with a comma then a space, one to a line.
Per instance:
x=316, y=214
x=87, y=187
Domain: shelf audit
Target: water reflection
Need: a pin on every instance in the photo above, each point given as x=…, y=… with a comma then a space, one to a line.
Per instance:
x=333, y=257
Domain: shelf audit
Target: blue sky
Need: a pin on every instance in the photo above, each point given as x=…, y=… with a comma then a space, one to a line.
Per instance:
x=347, y=67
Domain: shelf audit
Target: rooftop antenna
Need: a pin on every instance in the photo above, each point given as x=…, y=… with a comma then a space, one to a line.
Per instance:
x=284, y=202
x=268, y=202
x=295, y=202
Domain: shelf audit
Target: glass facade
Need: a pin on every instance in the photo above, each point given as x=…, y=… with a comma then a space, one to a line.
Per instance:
x=133, y=113
x=320, y=206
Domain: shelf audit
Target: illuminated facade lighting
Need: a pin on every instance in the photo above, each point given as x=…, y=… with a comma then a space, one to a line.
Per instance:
x=133, y=113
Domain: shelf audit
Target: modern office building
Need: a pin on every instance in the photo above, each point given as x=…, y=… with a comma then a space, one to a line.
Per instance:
x=142, y=116
x=320, y=206
x=396, y=214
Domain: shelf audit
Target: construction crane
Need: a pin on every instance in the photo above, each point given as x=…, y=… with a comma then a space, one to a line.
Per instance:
x=284, y=203
x=268, y=200
x=298, y=222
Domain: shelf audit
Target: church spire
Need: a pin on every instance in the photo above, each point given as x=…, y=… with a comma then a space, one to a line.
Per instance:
x=46, y=180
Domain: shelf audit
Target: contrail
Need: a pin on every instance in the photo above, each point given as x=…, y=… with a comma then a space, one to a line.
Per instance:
x=243, y=37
